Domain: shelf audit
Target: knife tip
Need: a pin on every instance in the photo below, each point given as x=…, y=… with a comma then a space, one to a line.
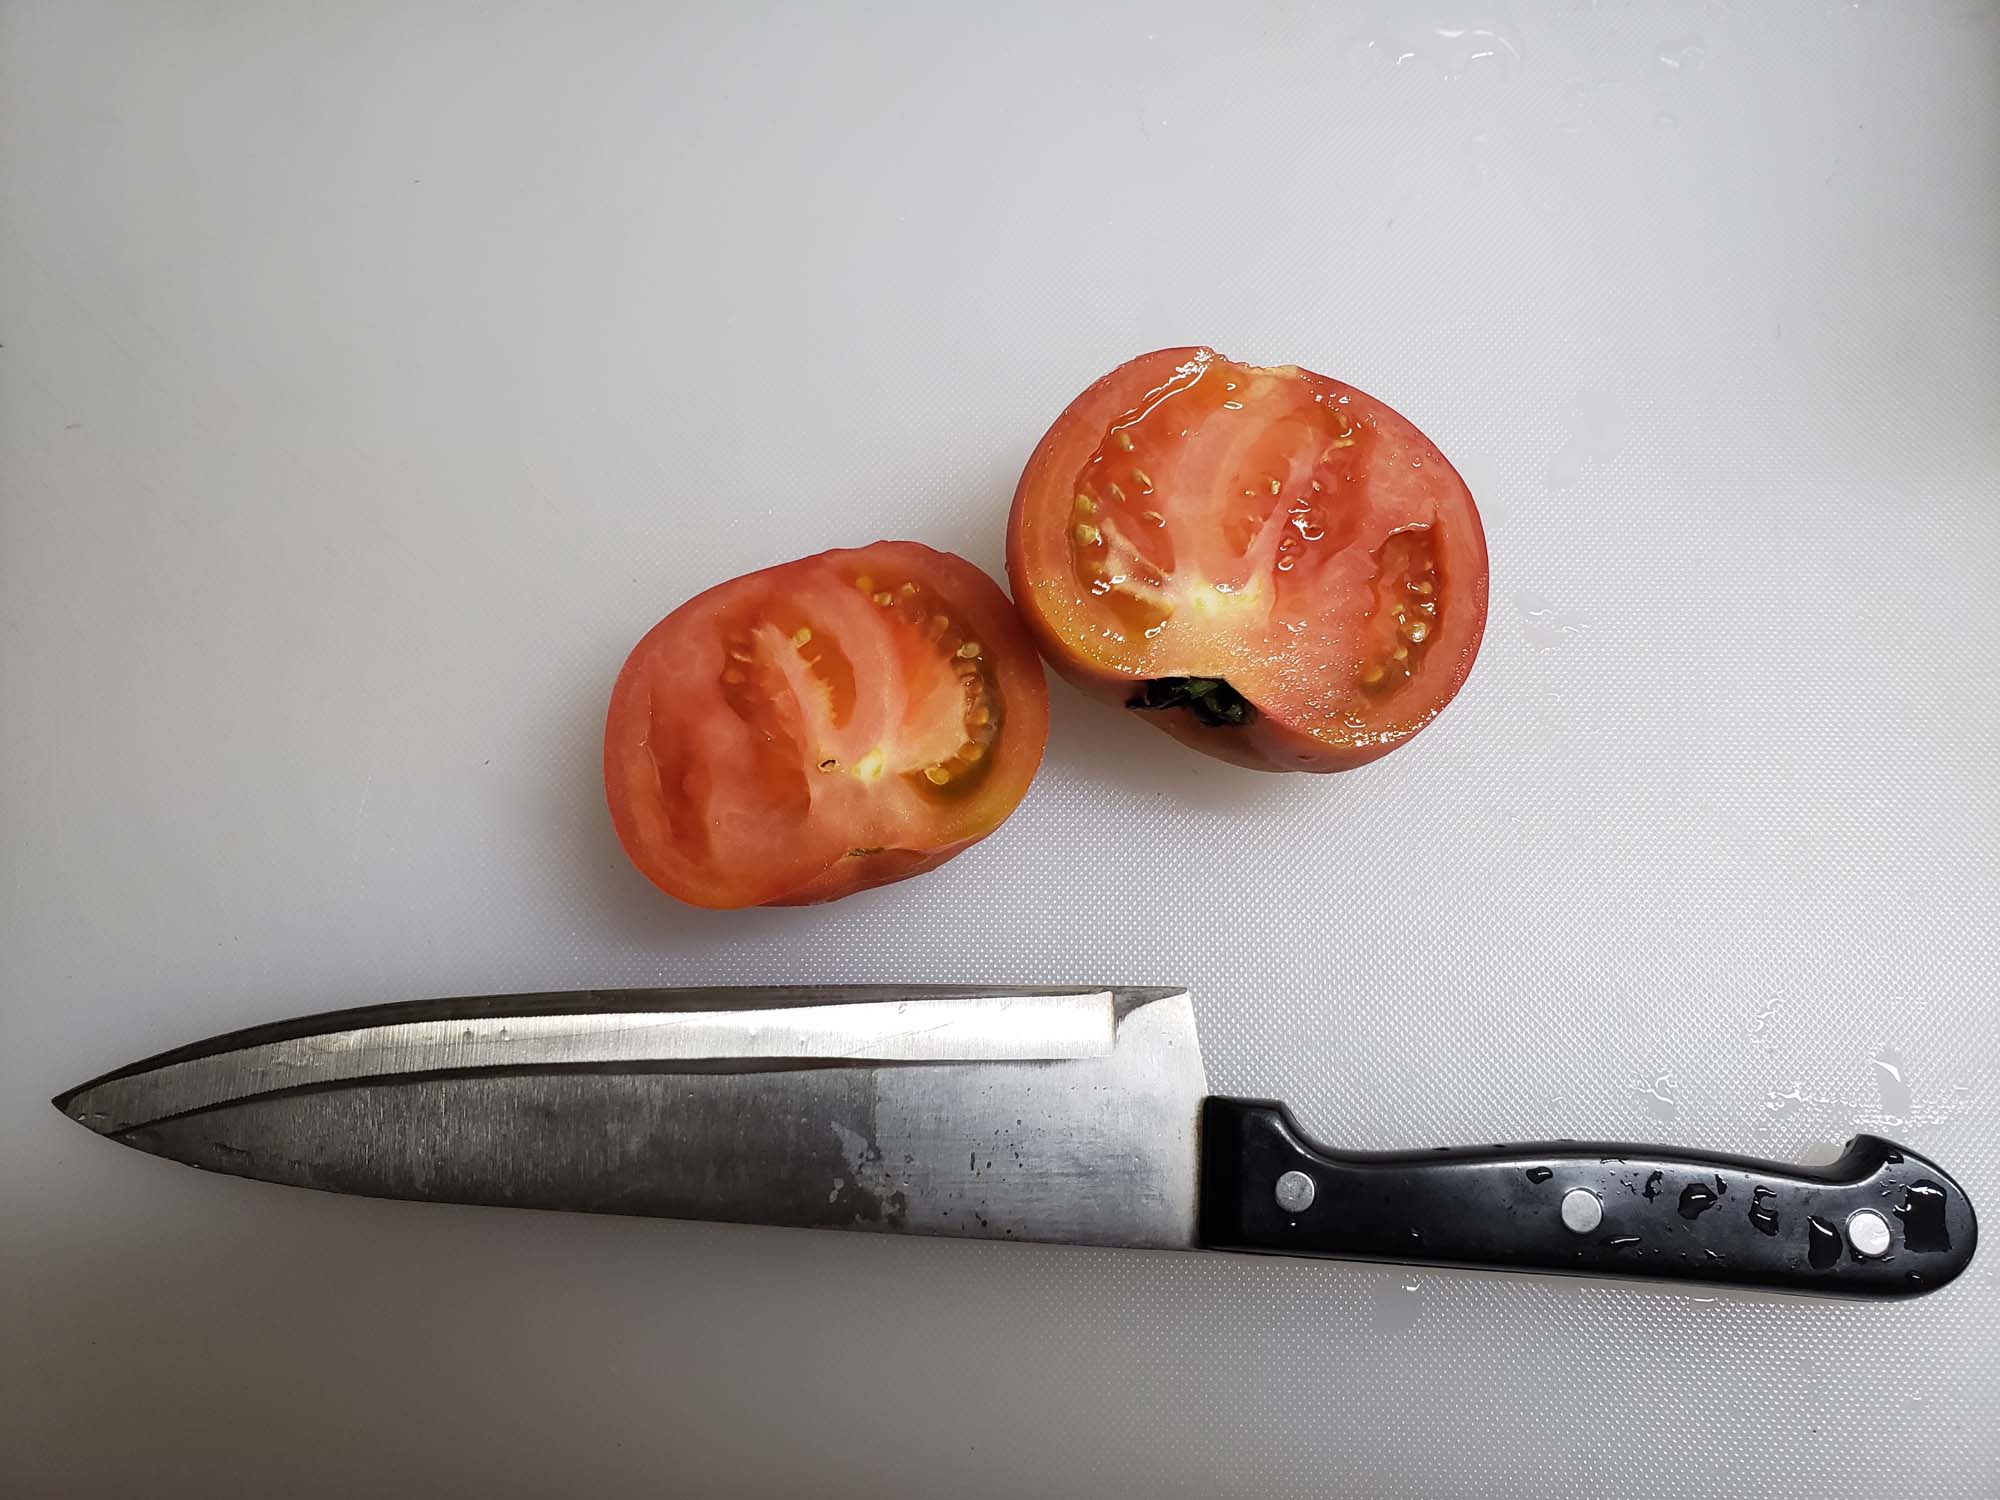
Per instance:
x=67, y=1102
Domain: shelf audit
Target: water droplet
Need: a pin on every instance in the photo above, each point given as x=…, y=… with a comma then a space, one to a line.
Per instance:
x=1683, y=56
x=1547, y=626
x=1760, y=1023
x=1765, y=1220
x=1697, y=1198
x=1925, y=1230
x=1398, y=1302
x=1455, y=48
x=1894, y=1087
x=1540, y=1175
x=1596, y=431
x=1657, y=1097
x=1822, y=1243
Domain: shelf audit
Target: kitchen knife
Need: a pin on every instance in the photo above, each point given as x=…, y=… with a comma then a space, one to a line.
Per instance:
x=1079, y=1116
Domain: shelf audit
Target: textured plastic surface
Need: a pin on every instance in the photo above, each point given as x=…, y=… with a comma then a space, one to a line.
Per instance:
x=373, y=376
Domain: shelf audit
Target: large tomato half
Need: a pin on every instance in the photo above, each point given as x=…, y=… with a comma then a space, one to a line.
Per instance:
x=1270, y=565
x=823, y=726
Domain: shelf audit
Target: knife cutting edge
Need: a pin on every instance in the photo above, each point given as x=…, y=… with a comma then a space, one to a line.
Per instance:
x=1075, y=1116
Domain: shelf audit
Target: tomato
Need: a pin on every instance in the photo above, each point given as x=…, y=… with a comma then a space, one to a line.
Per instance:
x=1269, y=565
x=816, y=728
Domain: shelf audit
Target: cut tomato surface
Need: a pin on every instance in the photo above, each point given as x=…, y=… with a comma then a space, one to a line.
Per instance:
x=823, y=726
x=1272, y=566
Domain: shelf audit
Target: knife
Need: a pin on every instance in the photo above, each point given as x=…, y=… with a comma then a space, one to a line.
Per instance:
x=1077, y=1116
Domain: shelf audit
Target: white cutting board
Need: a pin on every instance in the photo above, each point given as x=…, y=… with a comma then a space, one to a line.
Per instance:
x=374, y=375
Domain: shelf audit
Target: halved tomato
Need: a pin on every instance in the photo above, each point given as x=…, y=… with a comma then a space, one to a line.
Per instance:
x=823, y=726
x=1268, y=564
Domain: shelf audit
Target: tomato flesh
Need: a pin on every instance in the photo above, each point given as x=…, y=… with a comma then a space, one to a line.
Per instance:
x=1271, y=565
x=830, y=724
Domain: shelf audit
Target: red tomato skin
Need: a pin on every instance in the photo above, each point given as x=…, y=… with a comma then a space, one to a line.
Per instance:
x=1265, y=744
x=985, y=610
x=865, y=872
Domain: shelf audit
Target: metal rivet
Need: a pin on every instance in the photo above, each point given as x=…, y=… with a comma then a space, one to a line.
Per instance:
x=1868, y=1233
x=1582, y=1210
x=1296, y=1192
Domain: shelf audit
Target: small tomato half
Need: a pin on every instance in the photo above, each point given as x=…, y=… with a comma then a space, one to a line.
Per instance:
x=819, y=727
x=1270, y=565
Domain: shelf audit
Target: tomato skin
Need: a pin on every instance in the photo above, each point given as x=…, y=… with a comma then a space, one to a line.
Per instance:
x=787, y=737
x=1290, y=727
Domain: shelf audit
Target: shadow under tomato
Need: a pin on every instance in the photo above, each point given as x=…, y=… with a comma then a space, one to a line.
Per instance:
x=1090, y=740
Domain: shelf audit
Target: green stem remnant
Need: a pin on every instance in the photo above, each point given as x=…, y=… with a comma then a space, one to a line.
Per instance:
x=1211, y=700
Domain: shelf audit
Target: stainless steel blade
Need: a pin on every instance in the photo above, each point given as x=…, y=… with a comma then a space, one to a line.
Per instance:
x=1065, y=1115
x=926, y=1028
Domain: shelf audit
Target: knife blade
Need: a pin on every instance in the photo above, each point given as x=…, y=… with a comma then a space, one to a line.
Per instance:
x=1070, y=1115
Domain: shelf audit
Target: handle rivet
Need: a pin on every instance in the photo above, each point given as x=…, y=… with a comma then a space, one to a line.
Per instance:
x=1296, y=1192
x=1582, y=1210
x=1868, y=1233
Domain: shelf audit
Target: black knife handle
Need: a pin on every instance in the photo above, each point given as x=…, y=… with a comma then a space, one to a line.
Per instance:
x=1680, y=1215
